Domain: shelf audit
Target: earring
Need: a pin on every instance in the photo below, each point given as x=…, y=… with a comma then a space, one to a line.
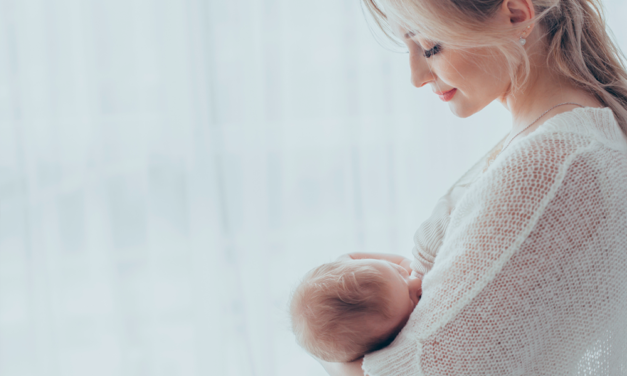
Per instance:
x=522, y=39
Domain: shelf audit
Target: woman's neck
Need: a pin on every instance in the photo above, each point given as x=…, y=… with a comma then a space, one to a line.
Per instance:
x=541, y=92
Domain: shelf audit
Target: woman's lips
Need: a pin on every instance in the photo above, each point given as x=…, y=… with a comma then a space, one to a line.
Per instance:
x=447, y=95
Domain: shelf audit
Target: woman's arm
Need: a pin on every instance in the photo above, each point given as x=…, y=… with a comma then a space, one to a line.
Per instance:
x=343, y=369
x=526, y=280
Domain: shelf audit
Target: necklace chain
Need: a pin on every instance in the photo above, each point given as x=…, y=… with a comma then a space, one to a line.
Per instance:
x=539, y=117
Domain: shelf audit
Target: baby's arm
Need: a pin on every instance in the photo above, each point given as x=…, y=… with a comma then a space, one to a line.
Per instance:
x=395, y=259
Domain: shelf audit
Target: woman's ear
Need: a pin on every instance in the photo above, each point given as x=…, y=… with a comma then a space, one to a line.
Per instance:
x=517, y=11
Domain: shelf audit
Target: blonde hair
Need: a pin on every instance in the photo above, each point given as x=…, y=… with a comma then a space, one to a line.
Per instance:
x=577, y=44
x=332, y=307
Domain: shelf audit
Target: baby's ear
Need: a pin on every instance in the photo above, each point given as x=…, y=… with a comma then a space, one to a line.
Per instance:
x=415, y=287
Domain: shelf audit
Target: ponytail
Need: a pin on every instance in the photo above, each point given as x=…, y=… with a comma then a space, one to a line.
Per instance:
x=581, y=50
x=578, y=46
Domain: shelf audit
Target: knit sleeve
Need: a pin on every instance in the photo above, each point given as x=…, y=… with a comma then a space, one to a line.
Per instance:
x=428, y=237
x=514, y=289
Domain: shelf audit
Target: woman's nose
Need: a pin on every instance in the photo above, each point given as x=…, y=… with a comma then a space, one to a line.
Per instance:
x=421, y=73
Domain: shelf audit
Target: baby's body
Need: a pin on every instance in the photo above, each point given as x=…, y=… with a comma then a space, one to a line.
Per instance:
x=353, y=306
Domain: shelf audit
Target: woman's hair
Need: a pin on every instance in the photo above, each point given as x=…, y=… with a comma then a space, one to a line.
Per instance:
x=578, y=46
x=333, y=306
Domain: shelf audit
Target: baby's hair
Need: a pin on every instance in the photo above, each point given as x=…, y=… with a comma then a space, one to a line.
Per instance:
x=331, y=306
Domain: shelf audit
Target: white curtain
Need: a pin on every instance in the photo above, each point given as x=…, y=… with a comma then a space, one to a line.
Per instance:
x=170, y=168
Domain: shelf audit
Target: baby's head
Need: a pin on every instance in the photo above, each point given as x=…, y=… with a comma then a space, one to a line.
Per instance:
x=348, y=308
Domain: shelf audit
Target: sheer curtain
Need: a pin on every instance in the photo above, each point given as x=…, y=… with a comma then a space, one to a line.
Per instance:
x=169, y=170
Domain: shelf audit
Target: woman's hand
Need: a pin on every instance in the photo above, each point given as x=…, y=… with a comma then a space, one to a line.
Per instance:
x=405, y=263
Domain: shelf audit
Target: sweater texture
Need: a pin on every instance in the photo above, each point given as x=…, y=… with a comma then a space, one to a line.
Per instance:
x=524, y=265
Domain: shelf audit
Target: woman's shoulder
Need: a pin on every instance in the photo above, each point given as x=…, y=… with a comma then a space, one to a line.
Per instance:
x=592, y=123
x=586, y=142
x=589, y=130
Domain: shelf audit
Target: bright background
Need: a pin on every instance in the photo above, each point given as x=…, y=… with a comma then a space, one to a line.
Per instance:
x=170, y=169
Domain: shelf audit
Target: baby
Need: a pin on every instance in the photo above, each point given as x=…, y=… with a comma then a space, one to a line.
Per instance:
x=353, y=306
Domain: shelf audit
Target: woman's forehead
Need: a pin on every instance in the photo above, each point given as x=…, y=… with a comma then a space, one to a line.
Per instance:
x=399, y=28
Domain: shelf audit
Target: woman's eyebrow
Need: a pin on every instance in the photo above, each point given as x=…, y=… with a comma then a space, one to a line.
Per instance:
x=409, y=34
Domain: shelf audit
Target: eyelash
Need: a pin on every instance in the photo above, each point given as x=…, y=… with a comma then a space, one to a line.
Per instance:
x=432, y=51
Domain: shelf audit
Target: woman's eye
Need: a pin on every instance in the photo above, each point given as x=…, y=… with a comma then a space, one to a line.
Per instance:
x=433, y=51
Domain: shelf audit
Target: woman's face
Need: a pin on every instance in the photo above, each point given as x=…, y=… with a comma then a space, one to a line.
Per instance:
x=468, y=80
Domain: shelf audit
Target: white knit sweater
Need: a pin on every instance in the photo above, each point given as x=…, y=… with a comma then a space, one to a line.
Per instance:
x=525, y=264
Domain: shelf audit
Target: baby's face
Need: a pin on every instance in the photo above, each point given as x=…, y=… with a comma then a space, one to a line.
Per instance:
x=404, y=293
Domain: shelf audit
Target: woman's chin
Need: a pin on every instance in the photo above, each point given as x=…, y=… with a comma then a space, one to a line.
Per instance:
x=461, y=111
x=457, y=111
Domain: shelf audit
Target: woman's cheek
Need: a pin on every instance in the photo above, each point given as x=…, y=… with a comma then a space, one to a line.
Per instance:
x=452, y=72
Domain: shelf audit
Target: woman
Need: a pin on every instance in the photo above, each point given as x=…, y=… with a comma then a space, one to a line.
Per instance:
x=525, y=258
